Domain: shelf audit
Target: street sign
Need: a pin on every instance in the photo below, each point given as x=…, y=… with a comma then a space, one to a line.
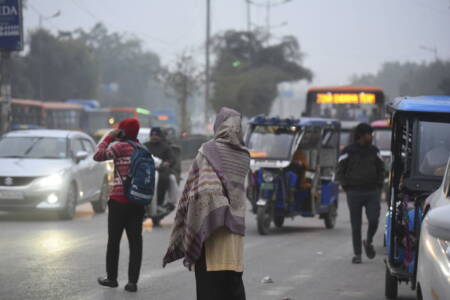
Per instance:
x=11, y=25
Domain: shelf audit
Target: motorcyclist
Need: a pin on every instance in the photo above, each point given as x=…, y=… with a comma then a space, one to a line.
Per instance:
x=159, y=147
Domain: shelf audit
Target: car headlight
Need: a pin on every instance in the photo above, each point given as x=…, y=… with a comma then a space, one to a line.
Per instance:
x=54, y=180
x=268, y=177
x=445, y=247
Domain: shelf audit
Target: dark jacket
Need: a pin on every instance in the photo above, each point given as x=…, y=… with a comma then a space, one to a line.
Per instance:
x=163, y=151
x=360, y=168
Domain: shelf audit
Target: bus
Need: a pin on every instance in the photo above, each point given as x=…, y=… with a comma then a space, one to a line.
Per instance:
x=164, y=118
x=93, y=116
x=349, y=104
x=26, y=114
x=346, y=103
x=60, y=115
x=117, y=114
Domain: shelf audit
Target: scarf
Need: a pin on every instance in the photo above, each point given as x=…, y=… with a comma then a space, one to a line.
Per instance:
x=214, y=194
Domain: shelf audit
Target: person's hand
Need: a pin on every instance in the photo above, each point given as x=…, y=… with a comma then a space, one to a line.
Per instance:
x=114, y=133
x=165, y=164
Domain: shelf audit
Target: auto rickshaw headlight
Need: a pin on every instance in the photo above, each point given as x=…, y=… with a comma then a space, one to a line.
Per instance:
x=268, y=176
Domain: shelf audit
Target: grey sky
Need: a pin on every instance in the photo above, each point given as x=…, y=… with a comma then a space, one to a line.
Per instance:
x=339, y=38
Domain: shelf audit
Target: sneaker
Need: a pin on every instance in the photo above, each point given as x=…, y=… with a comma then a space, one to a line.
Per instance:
x=131, y=287
x=107, y=282
x=370, y=250
x=356, y=259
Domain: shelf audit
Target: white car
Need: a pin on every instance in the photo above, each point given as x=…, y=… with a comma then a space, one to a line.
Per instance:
x=433, y=270
x=51, y=170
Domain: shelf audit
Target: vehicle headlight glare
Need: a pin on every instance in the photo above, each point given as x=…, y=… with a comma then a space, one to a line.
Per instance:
x=52, y=199
x=51, y=181
x=268, y=177
x=446, y=247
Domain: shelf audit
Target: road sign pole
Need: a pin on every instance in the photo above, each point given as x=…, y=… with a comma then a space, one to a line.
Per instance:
x=5, y=91
x=11, y=39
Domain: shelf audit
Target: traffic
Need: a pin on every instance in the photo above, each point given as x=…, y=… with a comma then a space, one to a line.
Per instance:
x=224, y=150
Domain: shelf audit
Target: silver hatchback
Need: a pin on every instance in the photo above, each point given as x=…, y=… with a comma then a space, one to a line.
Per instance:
x=51, y=170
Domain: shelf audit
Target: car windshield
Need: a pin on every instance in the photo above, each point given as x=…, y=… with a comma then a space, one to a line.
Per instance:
x=434, y=148
x=382, y=139
x=272, y=142
x=33, y=147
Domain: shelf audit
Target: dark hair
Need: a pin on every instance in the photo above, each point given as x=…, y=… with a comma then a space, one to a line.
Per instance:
x=156, y=131
x=362, y=129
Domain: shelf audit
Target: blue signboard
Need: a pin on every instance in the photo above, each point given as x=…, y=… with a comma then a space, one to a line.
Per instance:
x=11, y=26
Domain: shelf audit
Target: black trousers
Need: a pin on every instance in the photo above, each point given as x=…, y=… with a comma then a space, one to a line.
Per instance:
x=217, y=285
x=128, y=217
x=356, y=200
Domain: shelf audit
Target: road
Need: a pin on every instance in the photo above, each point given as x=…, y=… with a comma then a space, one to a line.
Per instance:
x=44, y=258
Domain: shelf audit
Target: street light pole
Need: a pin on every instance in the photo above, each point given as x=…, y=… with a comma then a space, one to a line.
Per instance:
x=41, y=22
x=249, y=16
x=208, y=41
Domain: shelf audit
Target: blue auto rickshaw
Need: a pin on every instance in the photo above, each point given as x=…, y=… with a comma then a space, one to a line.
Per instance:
x=293, y=162
x=420, y=148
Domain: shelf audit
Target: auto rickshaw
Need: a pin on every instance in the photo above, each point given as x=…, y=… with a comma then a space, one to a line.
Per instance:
x=420, y=148
x=293, y=163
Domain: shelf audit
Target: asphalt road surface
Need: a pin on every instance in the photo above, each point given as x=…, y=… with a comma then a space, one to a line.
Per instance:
x=44, y=258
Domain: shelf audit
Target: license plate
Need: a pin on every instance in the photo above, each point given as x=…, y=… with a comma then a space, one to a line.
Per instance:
x=11, y=195
x=266, y=186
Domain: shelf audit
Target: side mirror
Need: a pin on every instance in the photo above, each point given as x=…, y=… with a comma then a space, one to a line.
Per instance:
x=439, y=222
x=81, y=155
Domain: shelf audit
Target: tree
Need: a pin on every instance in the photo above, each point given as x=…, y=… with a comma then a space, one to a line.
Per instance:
x=247, y=70
x=122, y=63
x=55, y=68
x=409, y=79
x=184, y=80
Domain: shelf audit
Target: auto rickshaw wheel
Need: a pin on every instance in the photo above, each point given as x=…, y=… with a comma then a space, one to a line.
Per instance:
x=278, y=221
x=330, y=217
x=263, y=218
x=391, y=285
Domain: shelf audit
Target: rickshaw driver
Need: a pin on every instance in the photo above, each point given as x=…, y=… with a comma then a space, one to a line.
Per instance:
x=300, y=165
x=435, y=160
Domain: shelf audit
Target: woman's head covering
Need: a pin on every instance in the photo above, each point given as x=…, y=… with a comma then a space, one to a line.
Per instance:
x=228, y=128
x=131, y=127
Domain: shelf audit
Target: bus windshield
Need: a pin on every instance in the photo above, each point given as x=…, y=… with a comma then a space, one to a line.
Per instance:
x=346, y=103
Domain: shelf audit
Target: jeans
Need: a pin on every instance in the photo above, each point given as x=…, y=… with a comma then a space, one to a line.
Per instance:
x=356, y=200
x=128, y=217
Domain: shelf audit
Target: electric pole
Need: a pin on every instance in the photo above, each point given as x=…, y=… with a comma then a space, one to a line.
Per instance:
x=207, y=71
x=249, y=16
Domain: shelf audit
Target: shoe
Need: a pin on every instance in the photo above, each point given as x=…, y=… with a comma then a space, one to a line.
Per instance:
x=107, y=282
x=370, y=250
x=356, y=259
x=131, y=287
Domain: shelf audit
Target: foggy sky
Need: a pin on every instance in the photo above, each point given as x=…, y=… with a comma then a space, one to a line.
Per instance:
x=339, y=37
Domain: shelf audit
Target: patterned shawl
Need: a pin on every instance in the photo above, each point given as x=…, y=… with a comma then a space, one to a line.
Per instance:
x=213, y=195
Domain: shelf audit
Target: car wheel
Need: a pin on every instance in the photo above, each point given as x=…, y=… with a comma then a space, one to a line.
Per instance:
x=99, y=206
x=391, y=285
x=263, y=218
x=71, y=203
x=330, y=217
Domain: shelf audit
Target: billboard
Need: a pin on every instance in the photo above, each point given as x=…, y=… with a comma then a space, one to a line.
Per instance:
x=11, y=25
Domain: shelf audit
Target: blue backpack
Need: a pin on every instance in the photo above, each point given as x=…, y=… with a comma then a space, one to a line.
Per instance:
x=139, y=186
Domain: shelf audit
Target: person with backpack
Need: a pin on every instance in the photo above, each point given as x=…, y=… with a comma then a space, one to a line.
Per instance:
x=361, y=173
x=132, y=189
x=210, y=220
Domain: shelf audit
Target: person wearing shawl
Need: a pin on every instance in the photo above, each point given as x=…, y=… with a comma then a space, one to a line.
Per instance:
x=210, y=220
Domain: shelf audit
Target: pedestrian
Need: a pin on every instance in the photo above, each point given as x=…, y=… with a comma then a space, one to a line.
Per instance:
x=159, y=147
x=122, y=215
x=210, y=219
x=361, y=174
